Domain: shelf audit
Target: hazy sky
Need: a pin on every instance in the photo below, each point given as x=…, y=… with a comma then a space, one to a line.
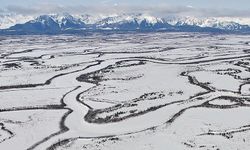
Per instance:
x=161, y=7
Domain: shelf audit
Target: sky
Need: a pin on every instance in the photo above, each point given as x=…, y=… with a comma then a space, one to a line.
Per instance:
x=159, y=7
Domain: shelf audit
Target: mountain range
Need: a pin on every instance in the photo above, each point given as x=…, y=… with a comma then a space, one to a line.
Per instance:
x=67, y=23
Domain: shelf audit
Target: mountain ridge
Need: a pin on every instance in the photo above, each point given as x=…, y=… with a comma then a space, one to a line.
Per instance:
x=65, y=22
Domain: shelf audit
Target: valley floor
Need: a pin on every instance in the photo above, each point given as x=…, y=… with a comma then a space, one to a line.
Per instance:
x=144, y=91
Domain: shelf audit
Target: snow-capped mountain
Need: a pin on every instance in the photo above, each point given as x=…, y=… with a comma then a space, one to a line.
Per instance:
x=232, y=24
x=138, y=18
x=55, y=23
x=67, y=21
x=61, y=23
x=8, y=20
x=131, y=22
x=50, y=23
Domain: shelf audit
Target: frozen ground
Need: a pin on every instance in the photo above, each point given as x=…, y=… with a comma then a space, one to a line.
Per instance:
x=152, y=91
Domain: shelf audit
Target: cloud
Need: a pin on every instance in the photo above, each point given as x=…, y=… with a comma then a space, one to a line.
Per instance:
x=42, y=9
x=198, y=12
x=158, y=10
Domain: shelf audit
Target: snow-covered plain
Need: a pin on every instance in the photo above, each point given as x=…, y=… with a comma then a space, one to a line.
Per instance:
x=143, y=91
